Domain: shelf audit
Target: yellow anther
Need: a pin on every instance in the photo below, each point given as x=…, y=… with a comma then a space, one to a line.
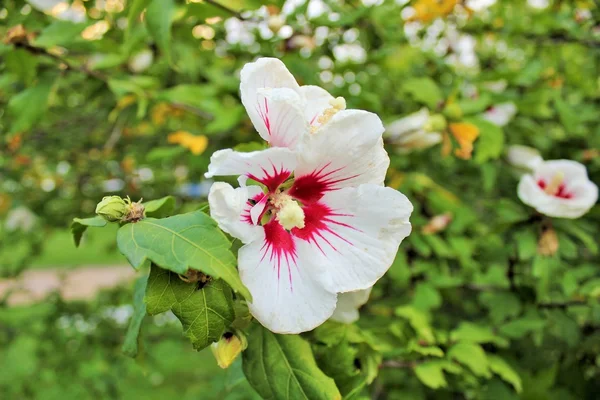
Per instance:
x=337, y=104
x=555, y=183
x=290, y=215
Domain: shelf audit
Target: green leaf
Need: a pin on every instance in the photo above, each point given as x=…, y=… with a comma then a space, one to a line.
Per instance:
x=130, y=345
x=418, y=320
x=29, y=106
x=80, y=225
x=490, y=143
x=283, y=367
x=424, y=90
x=205, y=313
x=431, y=374
x=505, y=371
x=471, y=355
x=520, y=327
x=60, y=33
x=470, y=332
x=136, y=8
x=21, y=63
x=179, y=243
x=159, y=18
x=160, y=208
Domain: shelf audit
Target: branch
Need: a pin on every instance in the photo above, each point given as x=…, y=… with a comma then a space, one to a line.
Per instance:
x=81, y=68
x=563, y=305
x=400, y=363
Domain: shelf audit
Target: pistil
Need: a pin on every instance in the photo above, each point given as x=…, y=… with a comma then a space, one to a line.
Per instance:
x=554, y=185
x=337, y=104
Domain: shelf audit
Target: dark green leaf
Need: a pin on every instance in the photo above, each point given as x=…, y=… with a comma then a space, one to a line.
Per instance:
x=159, y=17
x=29, y=106
x=79, y=226
x=130, y=345
x=205, y=313
x=283, y=367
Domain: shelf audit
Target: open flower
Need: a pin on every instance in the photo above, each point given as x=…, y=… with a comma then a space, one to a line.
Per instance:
x=500, y=114
x=558, y=188
x=414, y=132
x=320, y=221
x=348, y=304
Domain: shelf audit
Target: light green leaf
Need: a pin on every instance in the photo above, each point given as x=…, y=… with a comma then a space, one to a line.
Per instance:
x=419, y=321
x=206, y=313
x=471, y=355
x=160, y=208
x=470, y=332
x=424, y=90
x=130, y=345
x=431, y=374
x=136, y=8
x=80, y=225
x=283, y=367
x=518, y=328
x=505, y=371
x=185, y=241
x=430, y=351
x=29, y=106
x=159, y=18
x=490, y=143
x=60, y=33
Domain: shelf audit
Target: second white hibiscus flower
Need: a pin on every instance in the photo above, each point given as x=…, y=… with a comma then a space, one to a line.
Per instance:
x=320, y=222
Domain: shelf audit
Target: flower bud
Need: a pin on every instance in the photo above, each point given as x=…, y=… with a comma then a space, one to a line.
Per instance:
x=228, y=348
x=453, y=111
x=435, y=123
x=112, y=208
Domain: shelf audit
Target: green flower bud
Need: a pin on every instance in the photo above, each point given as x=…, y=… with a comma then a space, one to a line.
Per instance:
x=436, y=123
x=228, y=348
x=112, y=208
x=453, y=111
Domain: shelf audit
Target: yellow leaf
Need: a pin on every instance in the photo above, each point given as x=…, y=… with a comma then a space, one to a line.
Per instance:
x=465, y=134
x=428, y=10
x=195, y=144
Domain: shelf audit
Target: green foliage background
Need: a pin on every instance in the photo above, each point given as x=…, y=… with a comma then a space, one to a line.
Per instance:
x=473, y=311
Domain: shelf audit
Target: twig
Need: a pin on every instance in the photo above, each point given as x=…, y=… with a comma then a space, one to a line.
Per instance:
x=562, y=305
x=226, y=9
x=400, y=364
x=192, y=110
x=81, y=68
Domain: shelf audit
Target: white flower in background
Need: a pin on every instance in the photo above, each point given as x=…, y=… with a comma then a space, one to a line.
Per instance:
x=558, y=188
x=348, y=304
x=500, y=114
x=321, y=222
x=524, y=157
x=350, y=52
x=413, y=132
x=20, y=218
x=141, y=61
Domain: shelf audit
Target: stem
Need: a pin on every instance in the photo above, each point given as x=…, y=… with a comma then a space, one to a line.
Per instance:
x=563, y=305
x=401, y=363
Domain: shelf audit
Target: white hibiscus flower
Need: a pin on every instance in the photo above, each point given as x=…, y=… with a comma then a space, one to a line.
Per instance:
x=558, y=188
x=413, y=132
x=321, y=222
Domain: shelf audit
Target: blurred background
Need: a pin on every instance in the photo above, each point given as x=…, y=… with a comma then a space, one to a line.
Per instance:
x=108, y=97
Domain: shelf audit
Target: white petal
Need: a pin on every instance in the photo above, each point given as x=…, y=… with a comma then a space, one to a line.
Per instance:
x=412, y=122
x=417, y=140
x=265, y=73
x=346, y=151
x=270, y=167
x=282, y=122
x=316, y=100
x=287, y=283
x=227, y=206
x=501, y=114
x=524, y=157
x=346, y=310
x=357, y=231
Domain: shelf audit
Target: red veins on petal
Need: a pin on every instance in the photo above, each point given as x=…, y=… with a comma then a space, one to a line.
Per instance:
x=279, y=246
x=310, y=188
x=319, y=220
x=264, y=114
x=560, y=193
x=245, y=216
x=273, y=177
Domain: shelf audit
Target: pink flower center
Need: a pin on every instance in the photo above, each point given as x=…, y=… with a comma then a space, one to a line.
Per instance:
x=561, y=190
